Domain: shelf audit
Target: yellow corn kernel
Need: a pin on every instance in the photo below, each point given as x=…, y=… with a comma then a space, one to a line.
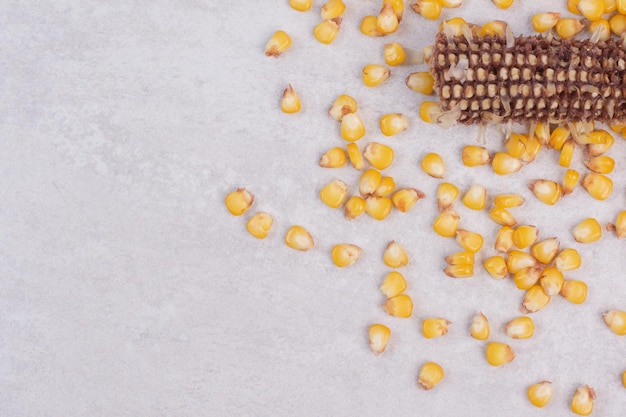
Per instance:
x=517, y=260
x=618, y=24
x=542, y=22
x=572, y=6
x=427, y=53
x=595, y=149
x=333, y=158
x=597, y=137
x=525, y=278
x=378, y=207
x=259, y=225
x=290, y=102
x=616, y=320
x=558, y=137
x=368, y=26
x=239, y=201
x=451, y=4
x=430, y=9
x=430, y=375
x=394, y=123
x=508, y=200
x=598, y=186
x=546, y=250
x=394, y=54
x=368, y=183
x=332, y=9
x=503, y=4
x=327, y=30
x=601, y=164
x=342, y=105
x=470, y=241
x=299, y=238
x=447, y=223
x=355, y=206
x=496, y=267
x=617, y=128
x=504, y=239
x=395, y=256
x=534, y=300
x=620, y=225
x=387, y=20
x=520, y=328
x=476, y=197
x=582, y=401
x=301, y=5
x=574, y=291
x=459, y=271
x=570, y=179
x=498, y=354
x=334, y=193
x=480, y=327
x=542, y=132
x=393, y=284
x=567, y=152
x=493, y=28
x=587, y=231
x=433, y=165
x=601, y=28
x=591, y=9
x=446, y=195
x=540, y=394
x=473, y=156
x=504, y=164
x=567, y=260
x=551, y=281
x=378, y=336
x=399, y=306
x=434, y=327
x=533, y=146
x=379, y=155
x=568, y=27
x=609, y=6
x=502, y=216
x=420, y=82
x=460, y=258
x=621, y=6
x=524, y=236
x=374, y=74
x=454, y=26
x=398, y=7
x=387, y=186
x=548, y=192
x=624, y=379
x=352, y=128
x=345, y=254
x=355, y=156
x=406, y=198
x=278, y=43
x=515, y=145
x=428, y=109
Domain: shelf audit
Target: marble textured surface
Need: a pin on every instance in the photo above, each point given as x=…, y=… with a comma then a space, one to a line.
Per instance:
x=126, y=289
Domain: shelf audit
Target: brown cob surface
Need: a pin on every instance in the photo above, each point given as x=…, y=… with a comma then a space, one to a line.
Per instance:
x=527, y=79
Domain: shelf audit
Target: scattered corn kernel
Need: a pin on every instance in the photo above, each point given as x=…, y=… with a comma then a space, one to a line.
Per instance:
x=548, y=192
x=476, y=197
x=620, y=6
x=534, y=300
x=430, y=9
x=434, y=327
x=399, y=306
x=470, y=241
x=504, y=239
x=524, y=279
x=398, y=7
x=504, y=164
x=387, y=20
x=378, y=338
x=515, y=145
x=517, y=260
x=567, y=152
x=540, y=394
x=259, y=225
x=332, y=9
x=616, y=320
x=520, y=328
x=624, y=379
x=508, y=200
x=601, y=28
x=582, y=401
x=502, y=216
x=430, y=375
x=334, y=193
x=327, y=30
x=239, y=201
x=558, y=137
x=345, y=254
x=473, y=156
x=597, y=137
x=496, y=267
x=278, y=43
x=503, y=4
x=342, y=105
x=368, y=183
x=591, y=9
x=395, y=256
x=421, y=82
x=595, y=149
x=433, y=165
x=394, y=54
x=618, y=24
x=333, y=158
x=459, y=271
x=574, y=291
x=394, y=123
x=542, y=132
x=378, y=207
x=387, y=186
x=493, y=28
x=542, y=22
x=598, y=186
x=570, y=179
x=447, y=223
x=546, y=250
x=601, y=164
x=620, y=225
x=368, y=26
x=480, y=327
x=572, y=6
x=393, y=284
x=355, y=156
x=428, y=109
x=551, y=281
x=460, y=258
x=587, y=231
x=498, y=354
x=379, y=155
x=355, y=206
x=406, y=198
x=301, y=5
x=290, y=102
x=568, y=27
x=299, y=238
x=446, y=195
x=533, y=146
x=567, y=260
x=374, y=74
x=525, y=235
x=352, y=128
x=451, y=4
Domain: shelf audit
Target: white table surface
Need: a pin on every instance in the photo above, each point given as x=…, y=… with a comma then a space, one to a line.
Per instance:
x=126, y=288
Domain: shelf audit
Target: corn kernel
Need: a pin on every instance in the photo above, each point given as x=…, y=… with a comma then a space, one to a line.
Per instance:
x=428, y=109
x=326, y=31
x=433, y=165
x=430, y=375
x=430, y=9
x=352, y=128
x=498, y=354
x=558, y=137
x=446, y=195
x=334, y=193
x=259, y=225
x=534, y=300
x=620, y=225
x=587, y=231
x=525, y=278
x=420, y=82
x=502, y=216
x=434, y=327
x=504, y=239
x=582, y=401
x=496, y=267
x=332, y=9
x=598, y=186
x=601, y=164
x=618, y=24
x=609, y=6
x=595, y=149
x=542, y=22
x=567, y=260
x=520, y=328
x=546, y=250
x=379, y=155
x=398, y=7
x=568, y=27
x=540, y=394
x=517, y=260
x=567, y=152
x=355, y=156
x=460, y=258
x=473, y=156
x=447, y=223
x=355, y=206
x=470, y=241
x=572, y=6
x=391, y=124
x=616, y=320
x=601, y=29
x=620, y=6
x=508, y=200
x=368, y=183
x=454, y=26
x=345, y=254
x=342, y=105
x=570, y=179
x=459, y=271
x=394, y=54
x=551, y=281
x=290, y=102
x=387, y=186
x=406, y=198
x=368, y=26
x=524, y=236
x=542, y=132
x=493, y=28
x=591, y=9
x=480, y=327
x=395, y=256
x=515, y=145
x=503, y=4
x=299, y=238
x=378, y=336
x=548, y=192
x=597, y=137
x=533, y=146
x=504, y=164
x=333, y=158
x=476, y=197
x=374, y=74
x=378, y=207
x=239, y=201
x=399, y=306
x=387, y=20
x=301, y=5
x=278, y=43
x=451, y=4
x=574, y=291
x=624, y=379
x=393, y=284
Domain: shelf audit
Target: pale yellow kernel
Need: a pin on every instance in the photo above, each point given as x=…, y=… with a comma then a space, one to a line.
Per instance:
x=430, y=375
x=301, y=5
x=395, y=256
x=502, y=216
x=355, y=206
x=394, y=123
x=355, y=156
x=567, y=260
x=574, y=291
x=393, y=284
x=520, y=328
x=239, y=201
x=378, y=207
x=352, y=127
x=420, y=82
x=368, y=27
x=446, y=195
x=470, y=241
x=342, y=105
x=290, y=102
x=598, y=186
x=542, y=22
x=551, y=281
x=259, y=225
x=582, y=401
x=299, y=238
x=473, y=156
x=345, y=254
x=480, y=327
x=399, y=306
x=394, y=54
x=387, y=20
x=540, y=394
x=587, y=231
x=334, y=193
x=447, y=223
x=378, y=336
x=432, y=164
x=278, y=43
x=499, y=354
x=332, y=9
x=546, y=250
x=504, y=164
x=333, y=158
x=508, y=200
x=374, y=75
x=434, y=327
x=326, y=31
x=496, y=267
x=379, y=155
x=616, y=320
x=476, y=197
x=406, y=198
x=534, y=300
x=504, y=239
x=525, y=235
x=548, y=192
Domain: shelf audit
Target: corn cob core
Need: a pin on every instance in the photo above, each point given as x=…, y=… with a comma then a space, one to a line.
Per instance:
x=489, y=79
